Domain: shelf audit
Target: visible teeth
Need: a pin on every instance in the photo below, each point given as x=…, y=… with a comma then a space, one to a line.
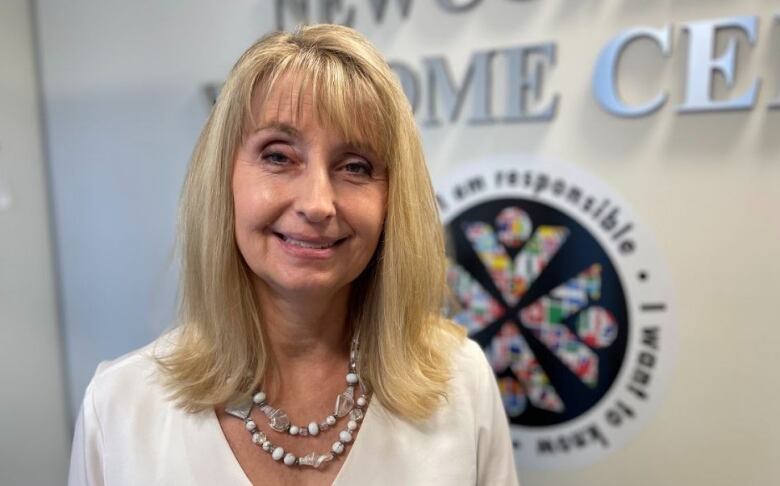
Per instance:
x=306, y=244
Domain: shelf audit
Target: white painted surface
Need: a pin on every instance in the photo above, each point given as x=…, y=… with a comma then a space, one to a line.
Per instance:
x=34, y=426
x=123, y=92
x=123, y=87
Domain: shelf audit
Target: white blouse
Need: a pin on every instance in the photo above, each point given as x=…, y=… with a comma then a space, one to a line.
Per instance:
x=128, y=433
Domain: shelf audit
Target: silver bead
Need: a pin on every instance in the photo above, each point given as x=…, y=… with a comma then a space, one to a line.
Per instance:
x=258, y=398
x=361, y=402
x=344, y=403
x=240, y=408
x=314, y=429
x=289, y=459
x=337, y=447
x=277, y=419
x=330, y=420
x=258, y=438
x=277, y=454
x=266, y=446
x=250, y=425
x=356, y=414
x=345, y=436
x=351, y=425
x=314, y=459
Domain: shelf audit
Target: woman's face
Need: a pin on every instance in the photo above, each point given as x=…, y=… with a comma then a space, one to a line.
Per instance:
x=309, y=206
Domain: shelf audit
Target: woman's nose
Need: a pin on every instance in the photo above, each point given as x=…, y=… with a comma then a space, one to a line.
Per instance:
x=315, y=199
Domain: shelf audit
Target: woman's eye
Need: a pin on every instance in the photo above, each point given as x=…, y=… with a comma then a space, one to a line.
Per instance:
x=359, y=168
x=276, y=158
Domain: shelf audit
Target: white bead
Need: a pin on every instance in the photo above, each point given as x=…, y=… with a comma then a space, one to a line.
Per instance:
x=293, y=430
x=352, y=378
x=289, y=459
x=330, y=420
x=352, y=425
x=266, y=445
x=277, y=454
x=361, y=402
x=257, y=438
x=314, y=429
x=258, y=398
x=337, y=447
x=250, y=425
x=345, y=436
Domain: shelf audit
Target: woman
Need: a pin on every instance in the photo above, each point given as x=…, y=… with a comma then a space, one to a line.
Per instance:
x=310, y=348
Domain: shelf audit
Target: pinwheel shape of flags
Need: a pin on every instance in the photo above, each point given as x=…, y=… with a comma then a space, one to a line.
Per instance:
x=588, y=327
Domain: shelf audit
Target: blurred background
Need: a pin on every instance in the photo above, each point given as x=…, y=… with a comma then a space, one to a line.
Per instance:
x=670, y=107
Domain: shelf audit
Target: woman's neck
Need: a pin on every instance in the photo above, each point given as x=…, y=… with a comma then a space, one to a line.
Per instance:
x=307, y=334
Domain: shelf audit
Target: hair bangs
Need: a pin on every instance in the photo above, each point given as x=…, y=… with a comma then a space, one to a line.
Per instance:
x=341, y=96
x=348, y=101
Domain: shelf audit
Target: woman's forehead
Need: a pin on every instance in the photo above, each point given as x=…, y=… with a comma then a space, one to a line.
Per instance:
x=296, y=101
x=285, y=101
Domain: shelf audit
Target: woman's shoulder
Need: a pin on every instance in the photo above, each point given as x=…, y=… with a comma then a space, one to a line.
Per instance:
x=470, y=354
x=470, y=366
x=119, y=385
x=467, y=359
x=130, y=431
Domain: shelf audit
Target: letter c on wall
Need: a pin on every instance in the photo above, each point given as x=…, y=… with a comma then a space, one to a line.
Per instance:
x=605, y=74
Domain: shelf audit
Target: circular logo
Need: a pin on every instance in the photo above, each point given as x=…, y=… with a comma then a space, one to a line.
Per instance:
x=552, y=275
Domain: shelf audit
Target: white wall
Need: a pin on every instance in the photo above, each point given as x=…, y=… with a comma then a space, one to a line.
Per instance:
x=122, y=84
x=34, y=426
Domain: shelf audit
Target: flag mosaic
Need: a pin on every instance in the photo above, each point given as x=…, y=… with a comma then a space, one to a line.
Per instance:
x=512, y=396
x=536, y=255
x=544, y=318
x=510, y=350
x=513, y=279
x=596, y=327
x=495, y=259
x=514, y=226
x=477, y=308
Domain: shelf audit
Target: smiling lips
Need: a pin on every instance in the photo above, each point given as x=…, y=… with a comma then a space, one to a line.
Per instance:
x=318, y=244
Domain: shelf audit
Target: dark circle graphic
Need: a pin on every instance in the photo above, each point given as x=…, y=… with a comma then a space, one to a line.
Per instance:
x=579, y=251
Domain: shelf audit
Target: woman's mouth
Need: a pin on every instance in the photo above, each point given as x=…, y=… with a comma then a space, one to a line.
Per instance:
x=310, y=243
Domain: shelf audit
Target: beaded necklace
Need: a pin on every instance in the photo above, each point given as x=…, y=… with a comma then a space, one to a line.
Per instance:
x=278, y=420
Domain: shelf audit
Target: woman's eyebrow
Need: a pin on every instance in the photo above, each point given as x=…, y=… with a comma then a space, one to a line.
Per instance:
x=282, y=127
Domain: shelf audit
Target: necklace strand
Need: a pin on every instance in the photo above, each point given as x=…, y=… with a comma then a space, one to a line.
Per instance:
x=278, y=420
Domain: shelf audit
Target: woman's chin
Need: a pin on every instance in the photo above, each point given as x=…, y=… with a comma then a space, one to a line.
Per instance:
x=310, y=287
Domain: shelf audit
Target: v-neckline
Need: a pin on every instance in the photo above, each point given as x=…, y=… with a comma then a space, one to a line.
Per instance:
x=237, y=470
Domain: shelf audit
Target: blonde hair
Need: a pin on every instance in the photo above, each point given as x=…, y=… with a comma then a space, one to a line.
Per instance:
x=405, y=344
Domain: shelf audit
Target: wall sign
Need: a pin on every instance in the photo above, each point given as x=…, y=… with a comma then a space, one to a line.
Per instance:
x=439, y=97
x=554, y=276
